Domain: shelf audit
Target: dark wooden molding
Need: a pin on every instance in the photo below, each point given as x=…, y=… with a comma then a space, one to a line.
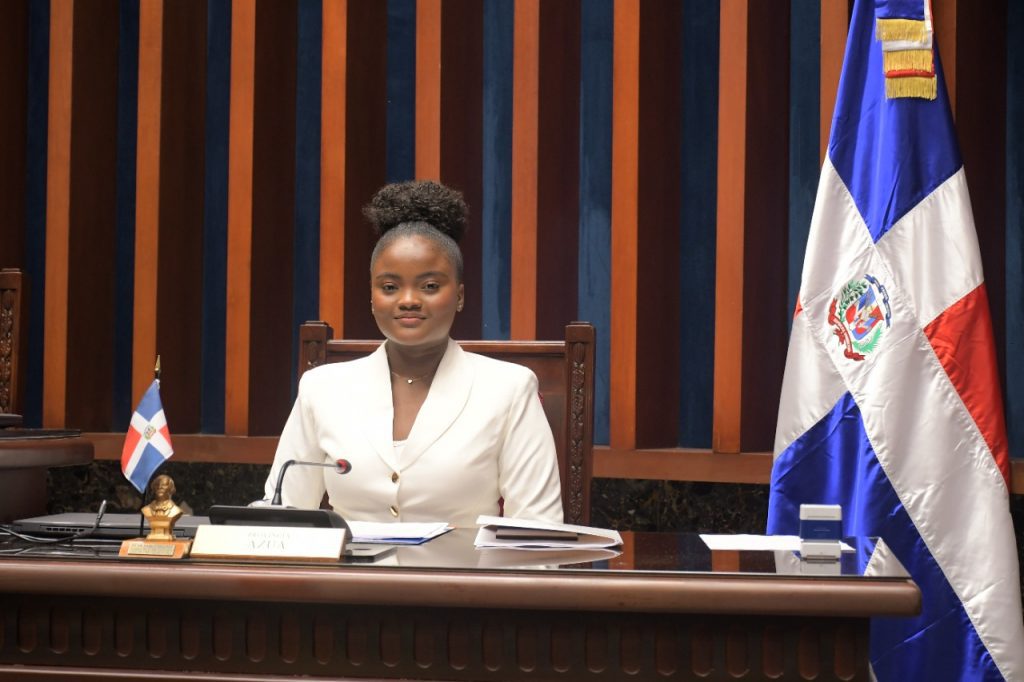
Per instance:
x=668, y=464
x=23, y=471
x=681, y=464
x=692, y=464
x=197, y=447
x=579, y=358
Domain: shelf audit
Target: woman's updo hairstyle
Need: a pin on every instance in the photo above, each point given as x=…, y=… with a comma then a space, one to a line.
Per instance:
x=419, y=207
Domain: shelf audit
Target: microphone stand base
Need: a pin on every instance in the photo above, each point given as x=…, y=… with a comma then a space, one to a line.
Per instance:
x=273, y=515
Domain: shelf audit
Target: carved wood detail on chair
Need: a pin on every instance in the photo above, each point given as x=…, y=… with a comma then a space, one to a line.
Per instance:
x=565, y=370
x=11, y=326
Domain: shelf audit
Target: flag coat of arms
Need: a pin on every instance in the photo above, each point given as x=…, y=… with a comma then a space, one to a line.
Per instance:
x=891, y=404
x=148, y=443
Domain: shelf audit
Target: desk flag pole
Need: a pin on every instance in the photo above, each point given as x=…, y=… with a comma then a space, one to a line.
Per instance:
x=148, y=442
x=891, y=405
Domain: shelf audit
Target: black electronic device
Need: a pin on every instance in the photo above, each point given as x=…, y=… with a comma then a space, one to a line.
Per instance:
x=271, y=515
x=276, y=514
x=111, y=526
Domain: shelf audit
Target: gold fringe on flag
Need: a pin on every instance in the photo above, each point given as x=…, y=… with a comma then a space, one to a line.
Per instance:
x=900, y=29
x=912, y=86
x=907, y=60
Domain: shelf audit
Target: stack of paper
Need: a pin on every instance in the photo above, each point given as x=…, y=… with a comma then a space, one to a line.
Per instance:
x=757, y=542
x=396, y=533
x=501, y=531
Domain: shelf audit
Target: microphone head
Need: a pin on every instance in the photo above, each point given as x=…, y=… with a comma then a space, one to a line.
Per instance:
x=344, y=466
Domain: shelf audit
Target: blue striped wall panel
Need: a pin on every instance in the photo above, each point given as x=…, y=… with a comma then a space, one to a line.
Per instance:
x=215, y=214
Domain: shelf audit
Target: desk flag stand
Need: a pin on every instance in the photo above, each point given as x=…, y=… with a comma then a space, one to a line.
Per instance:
x=147, y=448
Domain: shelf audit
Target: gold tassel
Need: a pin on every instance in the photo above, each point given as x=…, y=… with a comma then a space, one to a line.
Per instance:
x=907, y=60
x=900, y=29
x=913, y=86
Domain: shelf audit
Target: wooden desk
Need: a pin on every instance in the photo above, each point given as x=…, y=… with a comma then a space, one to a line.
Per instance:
x=23, y=466
x=69, y=618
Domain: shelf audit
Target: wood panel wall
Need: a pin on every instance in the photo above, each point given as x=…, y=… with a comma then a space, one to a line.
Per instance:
x=206, y=161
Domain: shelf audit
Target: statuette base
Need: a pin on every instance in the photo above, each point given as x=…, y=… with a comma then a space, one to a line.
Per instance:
x=143, y=548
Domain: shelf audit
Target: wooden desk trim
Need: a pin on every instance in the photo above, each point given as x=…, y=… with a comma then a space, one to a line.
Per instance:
x=43, y=453
x=538, y=590
x=24, y=464
x=666, y=464
x=197, y=447
x=72, y=619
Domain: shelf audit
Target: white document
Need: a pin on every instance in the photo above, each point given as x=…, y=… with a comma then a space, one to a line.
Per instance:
x=501, y=531
x=396, y=533
x=770, y=543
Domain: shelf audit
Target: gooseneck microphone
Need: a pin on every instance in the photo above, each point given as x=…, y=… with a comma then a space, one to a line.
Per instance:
x=341, y=466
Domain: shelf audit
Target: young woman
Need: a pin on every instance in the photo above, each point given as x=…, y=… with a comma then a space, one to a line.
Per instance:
x=433, y=433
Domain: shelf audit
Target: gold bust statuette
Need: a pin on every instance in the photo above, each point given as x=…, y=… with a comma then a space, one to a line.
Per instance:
x=161, y=514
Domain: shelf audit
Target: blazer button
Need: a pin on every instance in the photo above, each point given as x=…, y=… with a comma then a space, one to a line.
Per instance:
x=394, y=510
x=394, y=477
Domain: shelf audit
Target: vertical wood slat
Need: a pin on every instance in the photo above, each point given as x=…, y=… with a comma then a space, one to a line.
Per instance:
x=365, y=154
x=240, y=178
x=944, y=25
x=271, y=325
x=461, y=139
x=765, y=222
x=659, y=220
x=147, y=196
x=93, y=216
x=332, y=164
x=834, y=25
x=625, y=186
x=179, y=295
x=558, y=161
x=525, y=81
x=58, y=217
x=13, y=130
x=732, y=137
x=428, y=89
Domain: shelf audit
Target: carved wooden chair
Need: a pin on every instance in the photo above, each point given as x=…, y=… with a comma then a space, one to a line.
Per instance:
x=12, y=313
x=565, y=370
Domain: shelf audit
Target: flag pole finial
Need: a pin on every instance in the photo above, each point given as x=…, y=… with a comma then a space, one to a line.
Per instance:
x=156, y=369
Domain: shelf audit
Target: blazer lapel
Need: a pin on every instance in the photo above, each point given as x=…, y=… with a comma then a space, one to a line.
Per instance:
x=445, y=401
x=377, y=411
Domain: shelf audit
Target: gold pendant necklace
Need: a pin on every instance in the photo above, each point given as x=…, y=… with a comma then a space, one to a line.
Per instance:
x=410, y=380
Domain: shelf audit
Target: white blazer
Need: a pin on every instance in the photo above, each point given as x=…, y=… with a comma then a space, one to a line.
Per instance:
x=480, y=435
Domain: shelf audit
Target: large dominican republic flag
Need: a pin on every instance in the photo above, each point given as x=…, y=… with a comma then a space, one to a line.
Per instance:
x=148, y=443
x=890, y=403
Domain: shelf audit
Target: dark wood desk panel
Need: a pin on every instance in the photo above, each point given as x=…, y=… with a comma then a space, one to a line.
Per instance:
x=207, y=621
x=23, y=466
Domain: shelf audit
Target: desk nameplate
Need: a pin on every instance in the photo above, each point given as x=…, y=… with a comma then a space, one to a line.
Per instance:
x=159, y=549
x=268, y=542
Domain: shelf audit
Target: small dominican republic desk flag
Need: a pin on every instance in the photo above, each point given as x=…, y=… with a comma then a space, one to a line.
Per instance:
x=148, y=443
x=891, y=405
